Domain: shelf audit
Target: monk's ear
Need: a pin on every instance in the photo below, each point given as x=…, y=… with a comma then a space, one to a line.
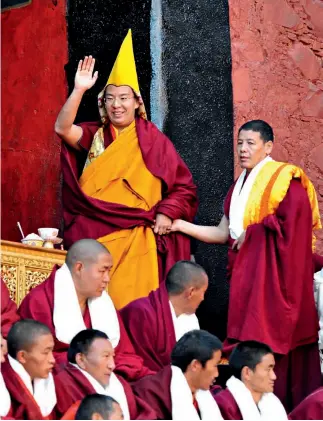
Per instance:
x=21, y=357
x=78, y=267
x=96, y=416
x=246, y=373
x=195, y=365
x=189, y=292
x=269, y=147
x=80, y=361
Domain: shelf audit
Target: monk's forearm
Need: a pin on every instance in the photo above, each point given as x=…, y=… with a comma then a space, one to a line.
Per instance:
x=67, y=115
x=207, y=234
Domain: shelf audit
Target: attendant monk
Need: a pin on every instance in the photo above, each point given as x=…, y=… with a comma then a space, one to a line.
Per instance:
x=270, y=214
x=9, y=313
x=99, y=407
x=27, y=372
x=73, y=298
x=249, y=393
x=156, y=322
x=181, y=391
x=124, y=182
x=311, y=408
x=90, y=370
x=5, y=401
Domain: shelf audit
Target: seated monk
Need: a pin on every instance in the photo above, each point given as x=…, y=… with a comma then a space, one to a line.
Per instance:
x=73, y=298
x=311, y=408
x=5, y=401
x=249, y=393
x=156, y=322
x=181, y=391
x=27, y=372
x=9, y=313
x=90, y=370
x=124, y=182
x=99, y=407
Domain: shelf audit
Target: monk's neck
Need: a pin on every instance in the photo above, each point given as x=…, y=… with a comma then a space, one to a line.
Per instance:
x=177, y=303
x=190, y=383
x=82, y=300
x=255, y=395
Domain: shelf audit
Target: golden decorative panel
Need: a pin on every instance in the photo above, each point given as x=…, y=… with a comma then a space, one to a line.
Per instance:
x=24, y=267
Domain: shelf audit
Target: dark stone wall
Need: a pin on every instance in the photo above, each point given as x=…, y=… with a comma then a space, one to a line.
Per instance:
x=197, y=75
x=197, y=69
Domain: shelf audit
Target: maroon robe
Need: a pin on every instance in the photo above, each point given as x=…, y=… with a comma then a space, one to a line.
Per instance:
x=271, y=293
x=39, y=305
x=150, y=327
x=9, y=314
x=86, y=217
x=228, y=405
x=23, y=404
x=311, y=408
x=155, y=390
x=72, y=386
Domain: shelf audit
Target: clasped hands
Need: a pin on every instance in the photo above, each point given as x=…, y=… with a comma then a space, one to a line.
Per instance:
x=162, y=224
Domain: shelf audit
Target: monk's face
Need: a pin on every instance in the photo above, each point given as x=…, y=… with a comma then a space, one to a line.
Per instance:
x=3, y=351
x=262, y=378
x=206, y=376
x=195, y=295
x=92, y=278
x=121, y=105
x=99, y=361
x=39, y=360
x=252, y=149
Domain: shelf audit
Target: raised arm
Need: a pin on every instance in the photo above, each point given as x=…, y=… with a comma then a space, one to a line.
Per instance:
x=84, y=80
x=208, y=234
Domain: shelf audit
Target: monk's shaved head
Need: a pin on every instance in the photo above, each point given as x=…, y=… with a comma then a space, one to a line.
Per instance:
x=24, y=334
x=86, y=251
x=185, y=274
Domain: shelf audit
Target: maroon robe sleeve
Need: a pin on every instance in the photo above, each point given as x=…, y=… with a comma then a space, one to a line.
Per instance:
x=227, y=405
x=273, y=270
x=310, y=409
x=155, y=390
x=138, y=408
x=9, y=314
x=89, y=130
x=317, y=262
x=128, y=364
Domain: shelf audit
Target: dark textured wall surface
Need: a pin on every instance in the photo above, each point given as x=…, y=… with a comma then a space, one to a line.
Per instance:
x=197, y=67
x=197, y=74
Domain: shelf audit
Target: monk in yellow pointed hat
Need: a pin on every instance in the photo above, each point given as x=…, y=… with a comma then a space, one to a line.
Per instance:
x=132, y=184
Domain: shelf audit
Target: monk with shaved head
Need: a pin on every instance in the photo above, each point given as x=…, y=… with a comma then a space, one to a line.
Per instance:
x=27, y=372
x=74, y=298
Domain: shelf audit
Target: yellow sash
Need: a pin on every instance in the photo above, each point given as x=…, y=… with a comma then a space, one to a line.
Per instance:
x=119, y=175
x=270, y=188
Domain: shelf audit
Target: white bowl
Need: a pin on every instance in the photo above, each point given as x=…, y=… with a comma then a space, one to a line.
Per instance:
x=47, y=232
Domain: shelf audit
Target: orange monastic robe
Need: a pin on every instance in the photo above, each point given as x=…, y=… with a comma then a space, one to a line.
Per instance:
x=119, y=175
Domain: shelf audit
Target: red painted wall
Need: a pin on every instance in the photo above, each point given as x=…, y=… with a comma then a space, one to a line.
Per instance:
x=277, y=54
x=34, y=52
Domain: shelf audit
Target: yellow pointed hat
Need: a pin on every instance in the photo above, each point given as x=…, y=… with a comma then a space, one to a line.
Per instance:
x=123, y=73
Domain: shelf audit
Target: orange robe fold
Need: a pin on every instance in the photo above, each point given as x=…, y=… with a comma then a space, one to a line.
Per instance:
x=119, y=175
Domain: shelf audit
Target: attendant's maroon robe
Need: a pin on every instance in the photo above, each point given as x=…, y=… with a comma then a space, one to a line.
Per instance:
x=310, y=409
x=9, y=314
x=228, y=406
x=150, y=327
x=271, y=294
x=23, y=404
x=86, y=217
x=39, y=305
x=73, y=386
